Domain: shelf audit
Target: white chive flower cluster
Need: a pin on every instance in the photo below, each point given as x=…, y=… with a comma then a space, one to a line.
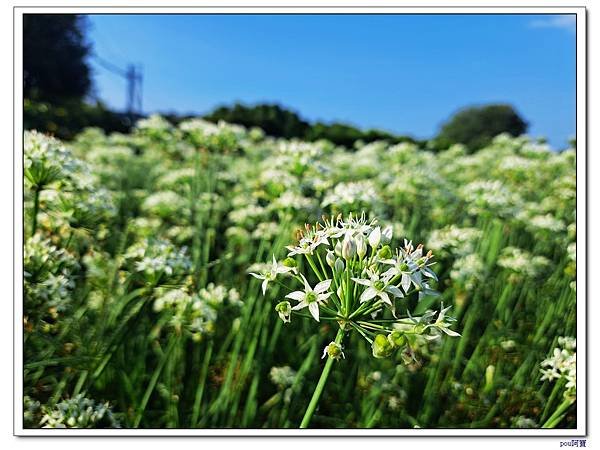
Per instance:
x=78, y=412
x=354, y=278
x=562, y=365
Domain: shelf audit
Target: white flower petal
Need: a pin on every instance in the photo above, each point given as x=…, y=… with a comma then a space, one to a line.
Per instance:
x=314, y=310
x=449, y=332
x=361, y=281
x=300, y=305
x=296, y=295
x=390, y=273
x=323, y=297
x=264, y=286
x=368, y=294
x=405, y=282
x=307, y=287
x=322, y=286
x=394, y=291
x=416, y=278
x=385, y=298
x=429, y=273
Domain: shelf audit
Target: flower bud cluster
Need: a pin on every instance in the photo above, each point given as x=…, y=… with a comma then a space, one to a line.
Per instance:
x=406, y=333
x=283, y=377
x=157, y=261
x=195, y=314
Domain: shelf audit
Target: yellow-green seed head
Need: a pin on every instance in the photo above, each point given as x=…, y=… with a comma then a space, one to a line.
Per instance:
x=385, y=252
x=334, y=350
x=289, y=262
x=397, y=339
x=381, y=346
x=419, y=328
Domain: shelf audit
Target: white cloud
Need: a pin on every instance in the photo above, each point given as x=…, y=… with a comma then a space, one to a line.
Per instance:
x=563, y=21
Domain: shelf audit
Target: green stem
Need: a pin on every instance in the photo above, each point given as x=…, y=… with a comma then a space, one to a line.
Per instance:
x=295, y=313
x=163, y=360
x=347, y=287
x=320, y=385
x=323, y=267
x=36, y=207
x=373, y=308
x=558, y=415
x=360, y=330
x=201, y=384
x=314, y=267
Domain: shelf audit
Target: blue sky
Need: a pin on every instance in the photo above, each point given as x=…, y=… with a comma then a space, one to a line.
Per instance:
x=401, y=73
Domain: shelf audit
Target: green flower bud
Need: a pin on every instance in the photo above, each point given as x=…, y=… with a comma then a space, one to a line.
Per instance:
x=339, y=265
x=284, y=310
x=338, y=248
x=330, y=258
x=397, y=339
x=385, y=252
x=289, y=262
x=361, y=246
x=209, y=327
x=381, y=346
x=348, y=248
x=489, y=377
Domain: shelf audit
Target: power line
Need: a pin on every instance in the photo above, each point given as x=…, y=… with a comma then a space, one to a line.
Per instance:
x=134, y=77
x=109, y=66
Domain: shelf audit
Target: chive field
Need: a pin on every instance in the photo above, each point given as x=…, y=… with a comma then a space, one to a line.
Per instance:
x=162, y=289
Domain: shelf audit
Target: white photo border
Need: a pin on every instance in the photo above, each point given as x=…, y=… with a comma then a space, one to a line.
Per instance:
x=581, y=202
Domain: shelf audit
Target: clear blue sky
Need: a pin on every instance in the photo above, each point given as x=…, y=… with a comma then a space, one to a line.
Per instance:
x=402, y=73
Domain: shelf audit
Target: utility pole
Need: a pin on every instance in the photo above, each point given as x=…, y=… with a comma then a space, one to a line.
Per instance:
x=133, y=75
x=134, y=91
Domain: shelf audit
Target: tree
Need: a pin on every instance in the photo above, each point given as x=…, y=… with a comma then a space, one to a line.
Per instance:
x=476, y=126
x=280, y=122
x=54, y=52
x=273, y=119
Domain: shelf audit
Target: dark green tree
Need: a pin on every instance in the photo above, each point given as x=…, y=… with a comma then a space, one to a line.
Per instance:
x=347, y=135
x=272, y=118
x=476, y=126
x=338, y=133
x=280, y=122
x=54, y=53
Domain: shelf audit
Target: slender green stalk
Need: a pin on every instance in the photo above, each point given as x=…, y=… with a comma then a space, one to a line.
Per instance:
x=314, y=268
x=36, y=208
x=558, y=415
x=320, y=385
x=153, y=381
x=201, y=384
